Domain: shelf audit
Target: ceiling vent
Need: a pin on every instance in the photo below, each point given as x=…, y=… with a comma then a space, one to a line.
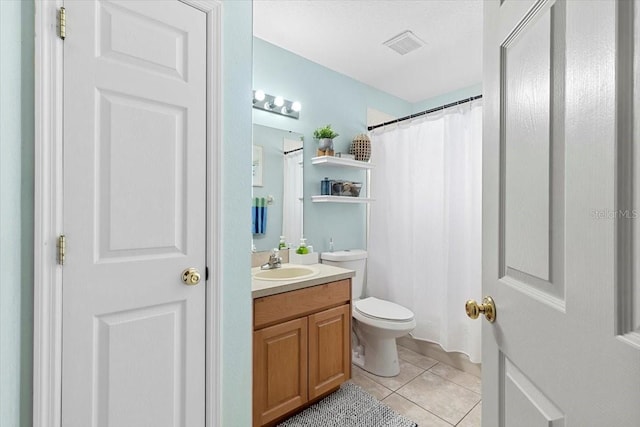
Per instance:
x=404, y=43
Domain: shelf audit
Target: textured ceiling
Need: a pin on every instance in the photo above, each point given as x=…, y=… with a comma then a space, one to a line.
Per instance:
x=347, y=35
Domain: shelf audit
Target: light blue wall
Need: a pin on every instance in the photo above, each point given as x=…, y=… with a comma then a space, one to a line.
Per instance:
x=447, y=98
x=327, y=97
x=236, y=238
x=16, y=211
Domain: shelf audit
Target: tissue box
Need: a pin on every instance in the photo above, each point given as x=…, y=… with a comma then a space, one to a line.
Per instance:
x=304, y=259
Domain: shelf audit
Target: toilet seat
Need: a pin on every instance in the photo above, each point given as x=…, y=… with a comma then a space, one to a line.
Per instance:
x=378, y=309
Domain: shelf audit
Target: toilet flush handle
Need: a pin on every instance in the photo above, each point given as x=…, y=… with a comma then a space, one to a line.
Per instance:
x=488, y=308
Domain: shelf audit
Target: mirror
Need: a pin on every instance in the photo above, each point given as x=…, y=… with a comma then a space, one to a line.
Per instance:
x=278, y=199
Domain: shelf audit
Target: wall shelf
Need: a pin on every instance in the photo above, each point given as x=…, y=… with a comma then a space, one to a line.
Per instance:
x=339, y=161
x=340, y=199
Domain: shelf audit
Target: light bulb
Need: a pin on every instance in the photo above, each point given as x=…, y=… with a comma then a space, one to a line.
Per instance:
x=279, y=101
x=259, y=95
x=296, y=106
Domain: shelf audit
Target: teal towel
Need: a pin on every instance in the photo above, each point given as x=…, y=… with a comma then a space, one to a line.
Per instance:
x=259, y=215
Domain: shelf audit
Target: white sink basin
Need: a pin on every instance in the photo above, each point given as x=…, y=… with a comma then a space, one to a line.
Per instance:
x=287, y=272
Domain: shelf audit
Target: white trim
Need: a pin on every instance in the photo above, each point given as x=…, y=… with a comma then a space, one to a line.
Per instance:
x=47, y=334
x=47, y=317
x=213, y=346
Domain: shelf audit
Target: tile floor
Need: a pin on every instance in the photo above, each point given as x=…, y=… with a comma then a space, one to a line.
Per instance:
x=429, y=392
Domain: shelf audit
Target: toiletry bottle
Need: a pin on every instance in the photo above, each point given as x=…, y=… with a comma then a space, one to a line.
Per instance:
x=282, y=244
x=325, y=187
x=302, y=249
x=330, y=244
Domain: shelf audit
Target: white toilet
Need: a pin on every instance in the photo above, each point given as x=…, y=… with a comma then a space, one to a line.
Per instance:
x=377, y=323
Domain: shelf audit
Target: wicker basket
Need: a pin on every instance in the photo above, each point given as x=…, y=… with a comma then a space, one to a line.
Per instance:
x=361, y=147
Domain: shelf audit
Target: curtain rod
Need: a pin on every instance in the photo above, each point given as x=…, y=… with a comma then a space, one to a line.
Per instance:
x=294, y=150
x=422, y=113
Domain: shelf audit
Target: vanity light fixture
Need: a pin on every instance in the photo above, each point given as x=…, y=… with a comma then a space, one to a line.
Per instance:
x=258, y=95
x=295, y=107
x=276, y=104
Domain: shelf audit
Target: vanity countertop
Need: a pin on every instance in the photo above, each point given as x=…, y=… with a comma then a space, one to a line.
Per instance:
x=328, y=273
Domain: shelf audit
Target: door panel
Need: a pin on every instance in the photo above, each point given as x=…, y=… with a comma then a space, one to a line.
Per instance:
x=551, y=261
x=527, y=167
x=134, y=214
x=532, y=146
x=161, y=46
x=154, y=200
x=131, y=361
x=531, y=149
x=524, y=404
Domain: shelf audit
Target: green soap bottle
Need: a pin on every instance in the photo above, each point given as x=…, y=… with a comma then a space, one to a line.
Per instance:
x=302, y=249
x=283, y=244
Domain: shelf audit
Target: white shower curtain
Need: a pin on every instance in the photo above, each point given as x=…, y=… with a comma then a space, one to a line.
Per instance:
x=292, y=201
x=425, y=224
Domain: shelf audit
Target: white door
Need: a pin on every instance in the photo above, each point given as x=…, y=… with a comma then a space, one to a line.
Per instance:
x=133, y=349
x=558, y=218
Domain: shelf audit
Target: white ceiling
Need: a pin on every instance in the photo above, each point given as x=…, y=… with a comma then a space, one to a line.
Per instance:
x=347, y=35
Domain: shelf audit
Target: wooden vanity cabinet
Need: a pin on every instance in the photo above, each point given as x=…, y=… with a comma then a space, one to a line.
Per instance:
x=301, y=348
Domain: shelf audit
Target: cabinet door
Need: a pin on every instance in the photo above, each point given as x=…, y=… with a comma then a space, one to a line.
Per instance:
x=329, y=349
x=279, y=370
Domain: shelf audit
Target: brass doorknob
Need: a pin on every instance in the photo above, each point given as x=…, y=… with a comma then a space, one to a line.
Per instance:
x=488, y=308
x=191, y=276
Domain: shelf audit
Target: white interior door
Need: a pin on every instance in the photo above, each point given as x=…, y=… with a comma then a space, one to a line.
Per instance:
x=134, y=214
x=558, y=218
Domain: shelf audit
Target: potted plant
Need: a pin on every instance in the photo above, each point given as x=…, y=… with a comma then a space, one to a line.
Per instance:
x=324, y=136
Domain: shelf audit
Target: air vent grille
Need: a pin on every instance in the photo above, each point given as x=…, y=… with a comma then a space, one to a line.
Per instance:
x=404, y=43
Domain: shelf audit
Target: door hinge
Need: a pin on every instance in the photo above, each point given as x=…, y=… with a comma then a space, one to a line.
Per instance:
x=62, y=23
x=62, y=246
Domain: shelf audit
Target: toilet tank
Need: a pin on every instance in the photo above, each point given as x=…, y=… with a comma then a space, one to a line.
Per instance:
x=354, y=259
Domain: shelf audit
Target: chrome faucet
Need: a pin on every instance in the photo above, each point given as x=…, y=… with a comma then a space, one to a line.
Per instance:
x=275, y=261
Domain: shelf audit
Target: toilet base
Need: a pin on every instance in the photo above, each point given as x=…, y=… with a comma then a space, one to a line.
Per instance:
x=383, y=357
x=380, y=357
x=357, y=359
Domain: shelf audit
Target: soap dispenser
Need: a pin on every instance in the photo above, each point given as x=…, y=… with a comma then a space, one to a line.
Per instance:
x=302, y=249
x=283, y=244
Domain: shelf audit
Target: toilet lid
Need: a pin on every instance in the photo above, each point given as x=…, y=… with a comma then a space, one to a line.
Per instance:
x=381, y=309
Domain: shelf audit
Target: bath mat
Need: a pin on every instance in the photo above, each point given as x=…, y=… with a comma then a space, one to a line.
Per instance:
x=350, y=406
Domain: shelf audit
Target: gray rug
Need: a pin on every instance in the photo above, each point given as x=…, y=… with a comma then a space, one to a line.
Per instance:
x=350, y=406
